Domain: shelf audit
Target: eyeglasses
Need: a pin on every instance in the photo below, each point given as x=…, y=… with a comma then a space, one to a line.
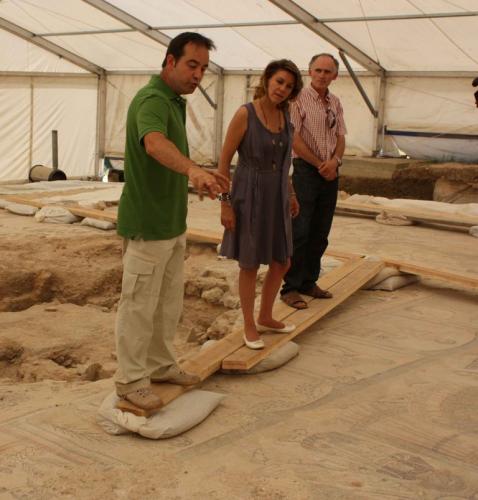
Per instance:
x=331, y=118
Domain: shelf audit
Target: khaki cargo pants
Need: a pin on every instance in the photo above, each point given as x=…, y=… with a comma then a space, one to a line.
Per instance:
x=149, y=310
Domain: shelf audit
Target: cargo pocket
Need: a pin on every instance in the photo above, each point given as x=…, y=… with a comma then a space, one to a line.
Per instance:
x=137, y=278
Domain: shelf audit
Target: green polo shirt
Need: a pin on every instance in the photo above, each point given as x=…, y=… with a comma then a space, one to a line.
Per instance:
x=153, y=205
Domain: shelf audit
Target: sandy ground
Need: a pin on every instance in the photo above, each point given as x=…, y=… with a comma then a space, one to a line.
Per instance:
x=381, y=402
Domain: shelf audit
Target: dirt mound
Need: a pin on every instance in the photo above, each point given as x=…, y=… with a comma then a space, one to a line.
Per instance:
x=67, y=269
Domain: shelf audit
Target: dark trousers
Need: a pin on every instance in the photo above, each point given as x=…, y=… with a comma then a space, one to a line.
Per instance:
x=317, y=198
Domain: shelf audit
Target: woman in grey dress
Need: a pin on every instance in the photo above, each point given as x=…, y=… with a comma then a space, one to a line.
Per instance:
x=257, y=214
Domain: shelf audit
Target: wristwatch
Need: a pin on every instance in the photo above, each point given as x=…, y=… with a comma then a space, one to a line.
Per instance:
x=339, y=161
x=224, y=197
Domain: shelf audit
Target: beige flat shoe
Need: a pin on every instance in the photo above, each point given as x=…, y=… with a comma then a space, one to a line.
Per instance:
x=254, y=344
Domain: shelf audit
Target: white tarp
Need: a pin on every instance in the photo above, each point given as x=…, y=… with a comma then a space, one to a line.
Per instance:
x=200, y=115
x=30, y=107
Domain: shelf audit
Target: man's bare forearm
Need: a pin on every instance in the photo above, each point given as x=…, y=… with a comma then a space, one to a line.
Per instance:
x=166, y=153
x=302, y=150
x=340, y=147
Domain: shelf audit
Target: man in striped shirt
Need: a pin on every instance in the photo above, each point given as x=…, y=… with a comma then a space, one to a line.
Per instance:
x=318, y=147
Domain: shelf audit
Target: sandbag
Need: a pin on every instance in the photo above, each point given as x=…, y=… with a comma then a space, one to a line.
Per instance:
x=393, y=220
x=20, y=209
x=390, y=279
x=474, y=231
x=177, y=417
x=55, y=215
x=274, y=360
x=99, y=224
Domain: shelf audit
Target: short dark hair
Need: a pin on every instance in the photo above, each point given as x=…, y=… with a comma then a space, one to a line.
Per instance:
x=335, y=61
x=271, y=69
x=176, y=45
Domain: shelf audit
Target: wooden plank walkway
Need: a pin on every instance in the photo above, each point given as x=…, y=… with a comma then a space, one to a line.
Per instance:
x=210, y=360
x=245, y=358
x=463, y=221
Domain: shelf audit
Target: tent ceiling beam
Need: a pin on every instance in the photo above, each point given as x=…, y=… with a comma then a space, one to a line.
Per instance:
x=258, y=72
x=50, y=47
x=138, y=25
x=267, y=23
x=358, y=84
x=176, y=27
x=319, y=28
x=399, y=17
x=42, y=74
x=207, y=97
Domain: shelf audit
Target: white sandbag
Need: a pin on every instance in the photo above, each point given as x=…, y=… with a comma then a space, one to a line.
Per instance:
x=396, y=282
x=99, y=224
x=55, y=215
x=4, y=203
x=177, y=417
x=20, y=209
x=274, y=360
x=393, y=220
x=390, y=279
x=474, y=231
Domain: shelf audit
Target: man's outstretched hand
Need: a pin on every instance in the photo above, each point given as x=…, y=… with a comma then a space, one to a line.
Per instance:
x=207, y=181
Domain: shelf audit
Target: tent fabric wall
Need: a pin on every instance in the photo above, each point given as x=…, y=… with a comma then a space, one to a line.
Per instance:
x=30, y=108
x=20, y=55
x=200, y=119
x=68, y=106
x=431, y=105
x=15, y=95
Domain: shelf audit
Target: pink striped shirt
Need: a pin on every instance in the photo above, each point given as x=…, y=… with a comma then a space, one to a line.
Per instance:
x=317, y=123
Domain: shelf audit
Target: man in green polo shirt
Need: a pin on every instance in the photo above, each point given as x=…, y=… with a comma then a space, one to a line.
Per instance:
x=152, y=221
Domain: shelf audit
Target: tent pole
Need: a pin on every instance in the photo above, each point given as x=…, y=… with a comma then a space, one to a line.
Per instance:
x=380, y=119
x=100, y=122
x=30, y=145
x=358, y=84
x=218, y=116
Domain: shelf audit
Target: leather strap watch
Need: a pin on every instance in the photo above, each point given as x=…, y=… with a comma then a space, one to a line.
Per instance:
x=339, y=161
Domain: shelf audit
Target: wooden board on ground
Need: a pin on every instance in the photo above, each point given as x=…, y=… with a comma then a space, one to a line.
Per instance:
x=75, y=210
x=206, y=362
x=345, y=207
x=244, y=358
x=466, y=280
x=282, y=310
x=167, y=392
x=213, y=237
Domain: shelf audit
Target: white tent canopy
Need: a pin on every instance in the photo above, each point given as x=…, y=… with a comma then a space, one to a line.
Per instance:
x=74, y=65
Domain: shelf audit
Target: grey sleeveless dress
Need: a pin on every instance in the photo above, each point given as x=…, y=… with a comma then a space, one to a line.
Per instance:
x=260, y=198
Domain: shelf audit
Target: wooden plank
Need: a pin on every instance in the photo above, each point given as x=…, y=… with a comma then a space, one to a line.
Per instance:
x=466, y=280
x=167, y=392
x=80, y=212
x=206, y=362
x=202, y=236
x=244, y=358
x=282, y=310
x=419, y=215
x=38, y=195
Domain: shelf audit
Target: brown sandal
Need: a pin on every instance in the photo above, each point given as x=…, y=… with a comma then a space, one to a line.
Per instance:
x=318, y=293
x=293, y=299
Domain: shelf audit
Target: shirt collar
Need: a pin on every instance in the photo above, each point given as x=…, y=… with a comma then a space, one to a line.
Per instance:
x=316, y=95
x=159, y=83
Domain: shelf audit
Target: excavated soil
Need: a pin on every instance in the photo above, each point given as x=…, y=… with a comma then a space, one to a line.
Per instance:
x=59, y=290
